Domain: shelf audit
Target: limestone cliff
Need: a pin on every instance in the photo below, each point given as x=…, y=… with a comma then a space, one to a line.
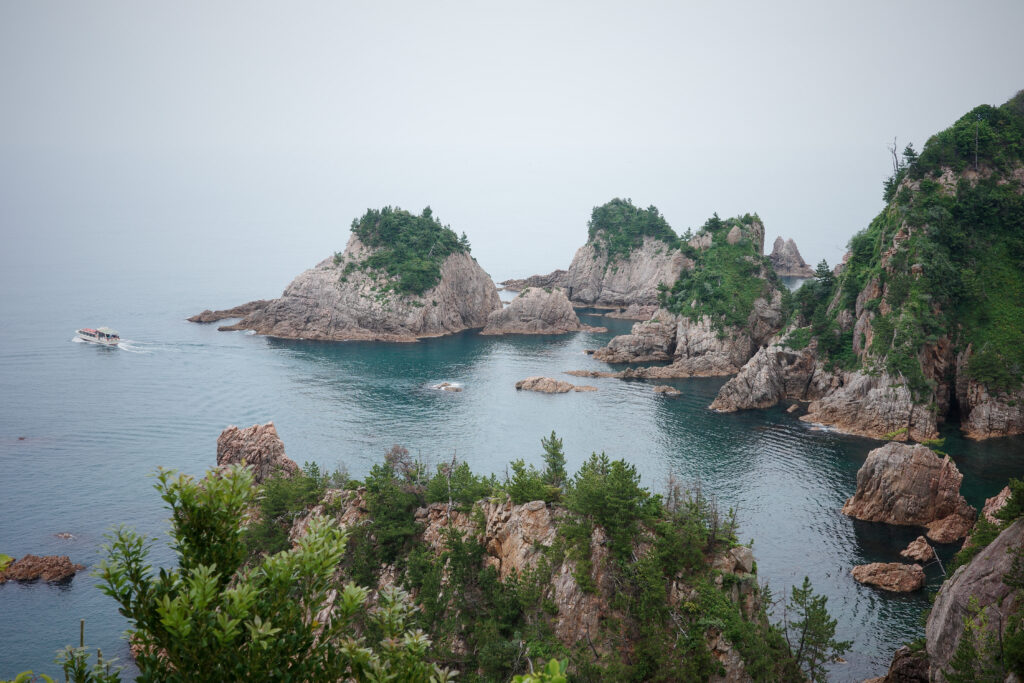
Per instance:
x=338, y=301
x=536, y=311
x=786, y=260
x=922, y=324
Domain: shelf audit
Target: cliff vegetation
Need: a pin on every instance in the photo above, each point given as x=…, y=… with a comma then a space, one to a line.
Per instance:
x=617, y=227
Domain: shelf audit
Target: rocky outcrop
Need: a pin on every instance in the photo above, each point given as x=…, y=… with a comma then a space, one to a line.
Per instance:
x=634, y=312
x=774, y=373
x=537, y=311
x=209, y=316
x=908, y=666
x=986, y=413
x=259, y=447
x=334, y=301
x=593, y=280
x=786, y=260
x=546, y=385
x=666, y=390
x=895, y=577
x=995, y=504
x=911, y=485
x=981, y=579
x=919, y=550
x=51, y=568
x=553, y=279
x=695, y=348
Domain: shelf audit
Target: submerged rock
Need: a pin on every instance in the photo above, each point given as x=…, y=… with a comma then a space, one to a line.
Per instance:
x=895, y=577
x=537, y=311
x=259, y=447
x=911, y=485
x=52, y=568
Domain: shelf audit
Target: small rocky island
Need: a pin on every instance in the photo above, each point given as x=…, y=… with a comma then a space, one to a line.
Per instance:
x=537, y=311
x=401, y=278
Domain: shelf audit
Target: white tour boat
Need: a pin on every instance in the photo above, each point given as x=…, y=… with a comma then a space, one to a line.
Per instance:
x=103, y=335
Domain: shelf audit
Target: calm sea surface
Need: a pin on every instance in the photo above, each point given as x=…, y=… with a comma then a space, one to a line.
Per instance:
x=82, y=429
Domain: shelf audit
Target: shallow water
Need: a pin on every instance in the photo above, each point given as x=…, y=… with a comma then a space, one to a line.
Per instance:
x=97, y=422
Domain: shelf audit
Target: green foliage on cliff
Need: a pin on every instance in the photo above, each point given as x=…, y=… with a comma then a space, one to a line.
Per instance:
x=618, y=228
x=409, y=248
x=947, y=255
x=725, y=280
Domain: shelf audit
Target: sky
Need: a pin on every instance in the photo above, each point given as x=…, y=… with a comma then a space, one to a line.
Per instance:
x=245, y=137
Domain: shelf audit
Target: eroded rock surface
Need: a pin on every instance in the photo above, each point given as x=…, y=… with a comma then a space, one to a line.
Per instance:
x=593, y=280
x=328, y=302
x=981, y=578
x=911, y=485
x=786, y=260
x=895, y=577
x=537, y=311
x=258, y=446
x=553, y=279
x=209, y=316
x=919, y=550
x=52, y=568
x=907, y=666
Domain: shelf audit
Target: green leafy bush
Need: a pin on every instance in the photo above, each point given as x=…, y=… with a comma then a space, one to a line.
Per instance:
x=618, y=228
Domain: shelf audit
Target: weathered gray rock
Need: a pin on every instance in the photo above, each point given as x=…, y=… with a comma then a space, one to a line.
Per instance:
x=895, y=577
x=545, y=385
x=995, y=504
x=786, y=260
x=537, y=311
x=209, y=316
x=666, y=390
x=986, y=413
x=982, y=579
x=594, y=281
x=651, y=340
x=259, y=447
x=772, y=374
x=907, y=666
x=553, y=279
x=919, y=550
x=911, y=485
x=325, y=303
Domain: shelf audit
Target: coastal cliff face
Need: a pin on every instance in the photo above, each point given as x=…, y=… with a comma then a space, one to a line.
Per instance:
x=336, y=302
x=924, y=321
x=594, y=279
x=983, y=581
x=786, y=260
x=536, y=311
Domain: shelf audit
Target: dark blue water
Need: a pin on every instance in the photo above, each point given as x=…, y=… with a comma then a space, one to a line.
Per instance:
x=97, y=422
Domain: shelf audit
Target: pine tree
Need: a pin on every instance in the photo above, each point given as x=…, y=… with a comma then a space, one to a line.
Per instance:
x=812, y=636
x=554, y=458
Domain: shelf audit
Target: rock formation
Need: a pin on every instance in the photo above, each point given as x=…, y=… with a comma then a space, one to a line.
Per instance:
x=209, y=316
x=908, y=666
x=786, y=260
x=634, y=312
x=553, y=279
x=911, y=485
x=981, y=579
x=995, y=504
x=895, y=577
x=922, y=334
x=258, y=447
x=338, y=300
x=919, y=550
x=52, y=568
x=666, y=390
x=594, y=280
x=546, y=385
x=537, y=311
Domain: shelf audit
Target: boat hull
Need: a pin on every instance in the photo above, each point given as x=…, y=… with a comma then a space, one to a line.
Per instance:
x=101, y=340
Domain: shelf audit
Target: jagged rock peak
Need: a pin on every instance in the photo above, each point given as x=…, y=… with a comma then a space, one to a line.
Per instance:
x=786, y=260
x=257, y=446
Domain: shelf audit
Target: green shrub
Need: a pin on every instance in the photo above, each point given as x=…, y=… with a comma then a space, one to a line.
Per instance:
x=618, y=227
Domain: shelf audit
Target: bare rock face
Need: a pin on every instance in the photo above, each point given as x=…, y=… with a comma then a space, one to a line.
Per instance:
x=772, y=374
x=986, y=414
x=895, y=577
x=981, y=578
x=259, y=447
x=536, y=311
x=209, y=316
x=911, y=485
x=695, y=348
x=594, y=281
x=919, y=550
x=326, y=303
x=995, y=504
x=553, y=279
x=786, y=260
x=666, y=390
x=545, y=385
x=907, y=667
x=52, y=568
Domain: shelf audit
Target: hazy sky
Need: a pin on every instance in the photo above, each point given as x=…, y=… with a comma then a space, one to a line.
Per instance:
x=248, y=135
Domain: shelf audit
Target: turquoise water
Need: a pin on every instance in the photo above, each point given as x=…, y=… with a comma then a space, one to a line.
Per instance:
x=97, y=422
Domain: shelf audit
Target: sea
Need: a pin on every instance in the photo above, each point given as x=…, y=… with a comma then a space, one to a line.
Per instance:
x=83, y=429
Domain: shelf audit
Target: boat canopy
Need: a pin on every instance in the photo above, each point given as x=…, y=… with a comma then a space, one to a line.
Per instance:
x=107, y=331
